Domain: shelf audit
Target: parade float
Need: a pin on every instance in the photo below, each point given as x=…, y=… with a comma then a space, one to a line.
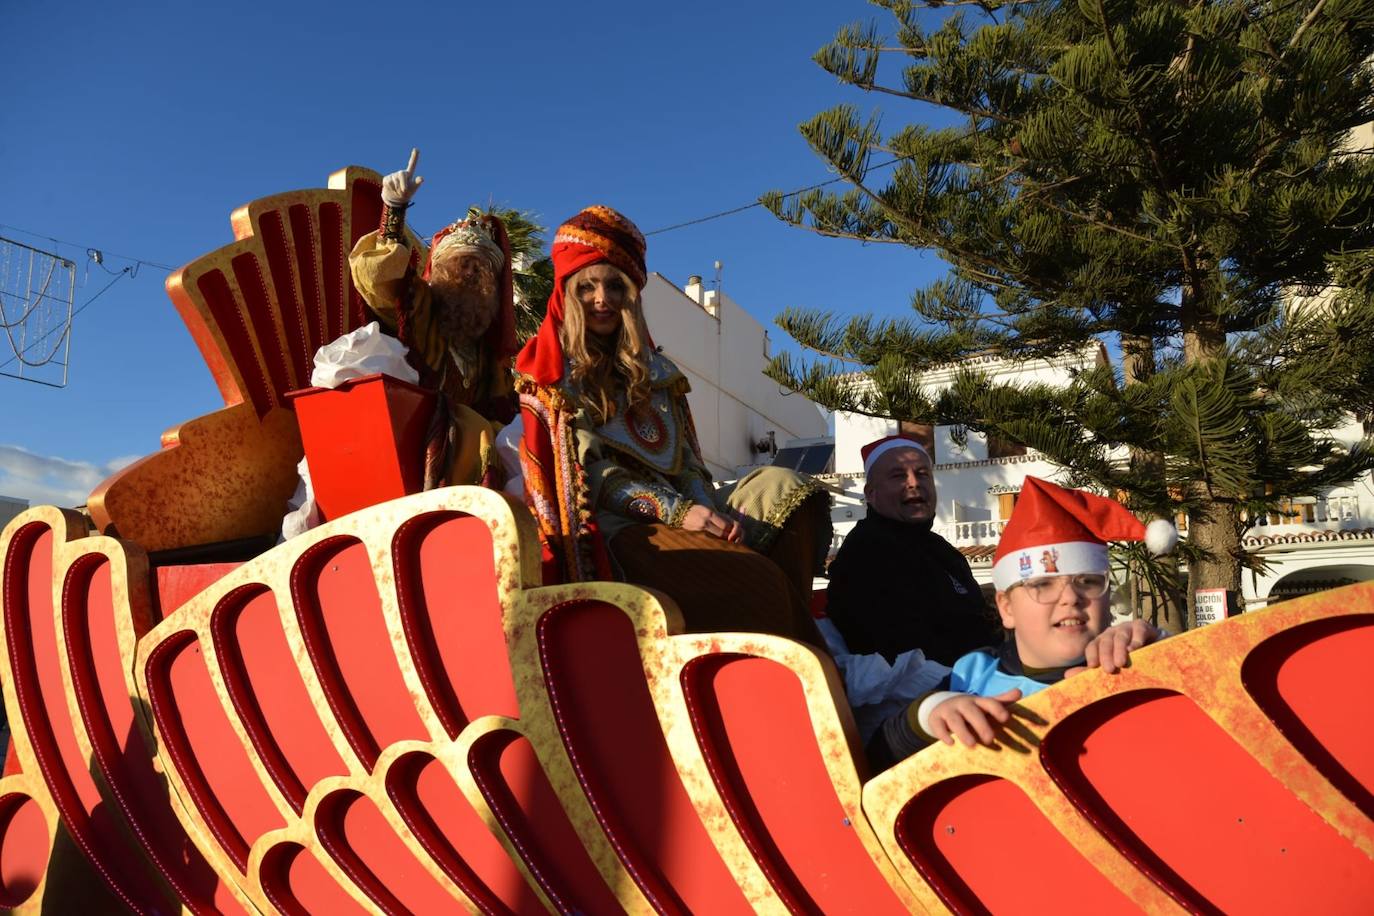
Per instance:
x=394, y=713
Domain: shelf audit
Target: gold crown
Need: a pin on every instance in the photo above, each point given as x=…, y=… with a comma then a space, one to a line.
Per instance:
x=471, y=235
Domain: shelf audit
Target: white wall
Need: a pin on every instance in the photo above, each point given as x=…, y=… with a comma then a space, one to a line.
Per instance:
x=722, y=351
x=10, y=506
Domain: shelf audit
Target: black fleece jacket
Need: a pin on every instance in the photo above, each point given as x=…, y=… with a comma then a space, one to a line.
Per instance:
x=897, y=586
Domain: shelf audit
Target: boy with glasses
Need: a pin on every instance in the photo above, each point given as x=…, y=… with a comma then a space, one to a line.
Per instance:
x=1053, y=594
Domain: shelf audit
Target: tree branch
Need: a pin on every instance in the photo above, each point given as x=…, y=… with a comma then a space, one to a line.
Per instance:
x=934, y=100
x=1306, y=23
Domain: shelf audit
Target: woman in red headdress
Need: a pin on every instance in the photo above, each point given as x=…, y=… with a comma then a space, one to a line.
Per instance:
x=612, y=466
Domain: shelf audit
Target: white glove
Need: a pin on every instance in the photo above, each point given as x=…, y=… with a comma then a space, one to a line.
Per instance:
x=399, y=187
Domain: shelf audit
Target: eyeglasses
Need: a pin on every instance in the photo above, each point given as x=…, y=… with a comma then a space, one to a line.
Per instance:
x=1049, y=589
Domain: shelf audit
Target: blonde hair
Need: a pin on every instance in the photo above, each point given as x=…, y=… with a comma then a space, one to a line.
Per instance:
x=602, y=371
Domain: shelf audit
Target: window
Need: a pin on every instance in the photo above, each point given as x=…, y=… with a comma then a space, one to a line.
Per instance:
x=1003, y=448
x=809, y=459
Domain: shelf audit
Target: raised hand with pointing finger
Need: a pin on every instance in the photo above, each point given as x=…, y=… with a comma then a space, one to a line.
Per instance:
x=397, y=190
x=399, y=187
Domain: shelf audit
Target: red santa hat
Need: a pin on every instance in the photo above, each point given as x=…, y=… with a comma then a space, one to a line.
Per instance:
x=1057, y=531
x=880, y=447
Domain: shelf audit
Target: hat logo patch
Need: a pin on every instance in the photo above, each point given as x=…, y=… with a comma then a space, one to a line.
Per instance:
x=1049, y=559
x=1024, y=565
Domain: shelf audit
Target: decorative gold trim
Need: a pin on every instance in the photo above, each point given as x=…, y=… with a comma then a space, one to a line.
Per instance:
x=1205, y=666
x=394, y=221
x=129, y=601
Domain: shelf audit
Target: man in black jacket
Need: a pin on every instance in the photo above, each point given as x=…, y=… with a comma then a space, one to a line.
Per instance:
x=895, y=585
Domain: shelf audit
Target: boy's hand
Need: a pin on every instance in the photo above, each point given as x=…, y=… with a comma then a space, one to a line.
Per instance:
x=1111, y=650
x=973, y=720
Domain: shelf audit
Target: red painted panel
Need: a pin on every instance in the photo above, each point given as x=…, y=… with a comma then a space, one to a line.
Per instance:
x=366, y=216
x=367, y=208
x=23, y=849
x=514, y=785
x=258, y=310
x=985, y=848
x=124, y=758
x=177, y=585
x=1296, y=676
x=341, y=614
x=297, y=885
x=269, y=696
x=366, y=847
x=453, y=618
x=457, y=838
x=305, y=248
x=232, y=322
x=205, y=750
x=365, y=440
x=1202, y=816
x=276, y=246
x=337, y=284
x=30, y=629
x=596, y=680
x=745, y=709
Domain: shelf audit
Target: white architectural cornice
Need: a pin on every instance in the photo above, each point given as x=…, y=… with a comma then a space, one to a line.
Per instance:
x=1306, y=537
x=1089, y=355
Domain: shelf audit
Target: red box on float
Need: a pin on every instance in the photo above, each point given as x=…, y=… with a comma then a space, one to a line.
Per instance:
x=364, y=440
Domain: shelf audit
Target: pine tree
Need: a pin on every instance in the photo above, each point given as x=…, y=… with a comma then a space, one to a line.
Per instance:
x=1164, y=177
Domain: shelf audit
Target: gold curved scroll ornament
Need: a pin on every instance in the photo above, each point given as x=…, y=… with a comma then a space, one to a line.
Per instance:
x=257, y=309
x=1203, y=665
x=516, y=554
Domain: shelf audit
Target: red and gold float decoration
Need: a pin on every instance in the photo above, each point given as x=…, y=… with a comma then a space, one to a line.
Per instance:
x=390, y=714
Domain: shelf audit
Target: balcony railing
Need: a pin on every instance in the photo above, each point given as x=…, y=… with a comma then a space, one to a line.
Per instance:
x=1335, y=510
x=1331, y=512
x=973, y=534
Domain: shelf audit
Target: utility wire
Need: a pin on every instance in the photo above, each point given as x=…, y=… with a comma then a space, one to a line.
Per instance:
x=138, y=262
x=759, y=203
x=691, y=222
x=88, y=248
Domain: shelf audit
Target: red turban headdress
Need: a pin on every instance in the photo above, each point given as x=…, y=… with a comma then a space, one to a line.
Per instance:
x=596, y=235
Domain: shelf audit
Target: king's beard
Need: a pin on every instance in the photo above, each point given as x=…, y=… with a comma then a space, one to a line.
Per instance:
x=464, y=308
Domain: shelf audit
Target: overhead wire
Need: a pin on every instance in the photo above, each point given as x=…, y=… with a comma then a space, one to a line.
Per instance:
x=682, y=225
x=87, y=248
x=758, y=202
x=96, y=254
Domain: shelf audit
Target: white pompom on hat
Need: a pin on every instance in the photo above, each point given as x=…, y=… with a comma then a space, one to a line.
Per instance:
x=1161, y=537
x=1057, y=531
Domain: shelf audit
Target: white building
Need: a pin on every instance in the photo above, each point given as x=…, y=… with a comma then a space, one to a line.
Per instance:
x=722, y=351
x=11, y=506
x=1317, y=543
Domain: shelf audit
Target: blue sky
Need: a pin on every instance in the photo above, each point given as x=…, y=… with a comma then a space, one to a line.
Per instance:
x=137, y=128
